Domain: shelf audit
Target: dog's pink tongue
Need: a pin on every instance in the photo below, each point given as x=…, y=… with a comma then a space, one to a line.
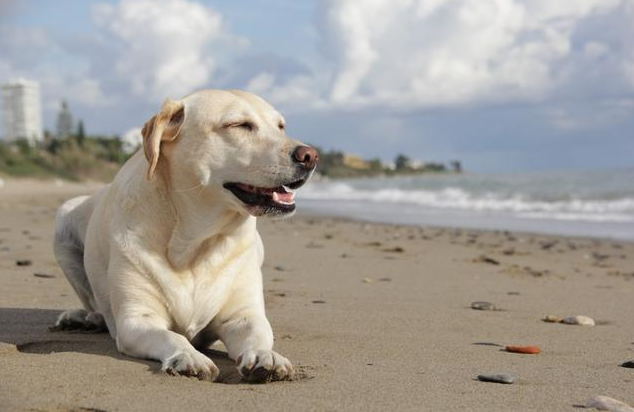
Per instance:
x=284, y=197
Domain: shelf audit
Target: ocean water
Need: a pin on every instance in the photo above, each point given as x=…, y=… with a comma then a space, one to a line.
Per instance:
x=594, y=204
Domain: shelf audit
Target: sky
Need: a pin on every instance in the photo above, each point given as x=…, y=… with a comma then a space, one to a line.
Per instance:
x=502, y=85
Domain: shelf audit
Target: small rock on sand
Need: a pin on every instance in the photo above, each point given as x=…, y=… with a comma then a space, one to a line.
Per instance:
x=367, y=280
x=529, y=350
x=482, y=305
x=279, y=268
x=552, y=319
x=498, y=378
x=396, y=249
x=486, y=259
x=628, y=364
x=23, y=262
x=43, y=275
x=579, y=320
x=605, y=403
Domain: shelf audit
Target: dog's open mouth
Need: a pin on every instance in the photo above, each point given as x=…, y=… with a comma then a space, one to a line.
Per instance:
x=280, y=199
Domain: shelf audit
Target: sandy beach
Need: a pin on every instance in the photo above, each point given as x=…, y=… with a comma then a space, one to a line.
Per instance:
x=373, y=316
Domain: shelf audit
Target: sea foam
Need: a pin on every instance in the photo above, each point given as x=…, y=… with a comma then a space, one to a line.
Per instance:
x=520, y=205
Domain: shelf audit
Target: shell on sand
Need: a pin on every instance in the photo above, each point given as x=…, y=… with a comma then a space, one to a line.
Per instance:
x=605, y=403
x=579, y=320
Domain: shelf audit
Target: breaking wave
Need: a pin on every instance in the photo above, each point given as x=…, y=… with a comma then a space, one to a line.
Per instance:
x=455, y=198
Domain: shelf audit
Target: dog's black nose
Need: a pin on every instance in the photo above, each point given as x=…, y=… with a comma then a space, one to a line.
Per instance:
x=307, y=156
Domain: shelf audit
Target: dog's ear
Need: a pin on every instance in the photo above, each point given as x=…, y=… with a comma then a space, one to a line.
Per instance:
x=165, y=126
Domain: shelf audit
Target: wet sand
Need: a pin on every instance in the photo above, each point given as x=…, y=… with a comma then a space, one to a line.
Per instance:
x=374, y=317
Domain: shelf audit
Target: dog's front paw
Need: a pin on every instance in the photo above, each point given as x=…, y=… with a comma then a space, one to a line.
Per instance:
x=264, y=366
x=191, y=363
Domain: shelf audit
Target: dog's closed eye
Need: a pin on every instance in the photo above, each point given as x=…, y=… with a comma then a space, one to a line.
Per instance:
x=246, y=125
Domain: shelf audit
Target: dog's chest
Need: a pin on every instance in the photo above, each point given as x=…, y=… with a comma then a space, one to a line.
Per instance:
x=201, y=292
x=195, y=303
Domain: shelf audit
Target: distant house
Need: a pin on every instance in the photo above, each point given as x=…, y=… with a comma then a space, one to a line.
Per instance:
x=22, y=111
x=355, y=162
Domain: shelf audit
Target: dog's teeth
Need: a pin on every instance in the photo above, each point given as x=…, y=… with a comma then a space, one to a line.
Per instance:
x=276, y=197
x=288, y=189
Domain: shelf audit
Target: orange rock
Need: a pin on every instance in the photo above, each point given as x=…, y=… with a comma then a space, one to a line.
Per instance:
x=531, y=350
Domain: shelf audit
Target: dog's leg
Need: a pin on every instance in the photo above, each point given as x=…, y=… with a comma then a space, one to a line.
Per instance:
x=148, y=337
x=69, y=252
x=248, y=337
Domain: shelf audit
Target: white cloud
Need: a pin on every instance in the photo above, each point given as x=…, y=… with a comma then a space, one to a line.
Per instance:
x=261, y=83
x=418, y=53
x=297, y=91
x=132, y=140
x=165, y=45
x=77, y=88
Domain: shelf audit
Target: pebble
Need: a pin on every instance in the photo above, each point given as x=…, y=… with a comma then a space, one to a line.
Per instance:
x=43, y=275
x=279, y=268
x=25, y=262
x=628, y=364
x=319, y=301
x=396, y=249
x=482, y=305
x=367, y=280
x=552, y=319
x=579, y=320
x=531, y=350
x=605, y=403
x=486, y=259
x=500, y=378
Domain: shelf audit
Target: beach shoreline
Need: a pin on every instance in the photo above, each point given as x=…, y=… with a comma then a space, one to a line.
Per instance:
x=575, y=203
x=374, y=316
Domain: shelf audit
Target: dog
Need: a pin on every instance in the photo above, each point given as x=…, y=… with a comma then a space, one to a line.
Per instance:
x=167, y=257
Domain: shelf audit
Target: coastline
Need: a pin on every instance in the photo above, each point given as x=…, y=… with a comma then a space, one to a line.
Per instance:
x=596, y=203
x=374, y=316
x=416, y=216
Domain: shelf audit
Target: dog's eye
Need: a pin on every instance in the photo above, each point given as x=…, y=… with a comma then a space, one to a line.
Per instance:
x=244, y=125
x=281, y=126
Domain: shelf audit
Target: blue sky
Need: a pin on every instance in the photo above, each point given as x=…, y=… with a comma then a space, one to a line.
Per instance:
x=503, y=85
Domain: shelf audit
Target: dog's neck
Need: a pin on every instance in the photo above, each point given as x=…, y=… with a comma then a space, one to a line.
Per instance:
x=201, y=226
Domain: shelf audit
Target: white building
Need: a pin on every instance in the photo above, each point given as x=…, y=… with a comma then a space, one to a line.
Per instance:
x=22, y=111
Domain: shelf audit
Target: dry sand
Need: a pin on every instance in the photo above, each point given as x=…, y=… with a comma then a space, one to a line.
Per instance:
x=374, y=317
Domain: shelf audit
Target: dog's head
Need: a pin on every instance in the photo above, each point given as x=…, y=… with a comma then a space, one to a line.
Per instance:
x=231, y=145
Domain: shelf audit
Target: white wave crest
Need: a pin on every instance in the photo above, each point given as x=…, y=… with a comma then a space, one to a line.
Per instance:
x=617, y=210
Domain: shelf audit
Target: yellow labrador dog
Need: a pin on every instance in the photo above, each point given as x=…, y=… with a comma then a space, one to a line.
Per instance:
x=167, y=257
